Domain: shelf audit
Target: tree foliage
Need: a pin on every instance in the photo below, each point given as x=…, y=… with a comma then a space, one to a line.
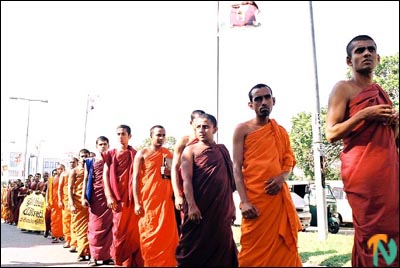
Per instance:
x=169, y=143
x=301, y=137
x=387, y=75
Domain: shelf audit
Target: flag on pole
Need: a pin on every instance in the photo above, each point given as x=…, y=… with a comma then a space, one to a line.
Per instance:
x=244, y=14
x=91, y=102
x=238, y=14
x=15, y=159
x=89, y=107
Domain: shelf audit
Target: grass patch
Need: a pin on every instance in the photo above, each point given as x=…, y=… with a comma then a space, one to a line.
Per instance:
x=335, y=251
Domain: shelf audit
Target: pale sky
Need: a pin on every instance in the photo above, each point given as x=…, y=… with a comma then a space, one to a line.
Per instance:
x=149, y=63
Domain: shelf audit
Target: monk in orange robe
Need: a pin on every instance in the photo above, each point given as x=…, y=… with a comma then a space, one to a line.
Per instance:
x=117, y=179
x=79, y=213
x=154, y=204
x=56, y=226
x=361, y=114
x=4, y=206
x=262, y=161
x=63, y=197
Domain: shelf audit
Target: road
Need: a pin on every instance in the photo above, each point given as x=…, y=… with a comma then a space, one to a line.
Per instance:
x=23, y=249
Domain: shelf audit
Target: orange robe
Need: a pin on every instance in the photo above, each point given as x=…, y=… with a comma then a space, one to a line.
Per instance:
x=126, y=246
x=68, y=231
x=5, y=211
x=56, y=212
x=370, y=174
x=158, y=235
x=271, y=238
x=80, y=218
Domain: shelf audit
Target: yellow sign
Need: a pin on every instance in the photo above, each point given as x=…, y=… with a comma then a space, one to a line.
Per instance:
x=32, y=213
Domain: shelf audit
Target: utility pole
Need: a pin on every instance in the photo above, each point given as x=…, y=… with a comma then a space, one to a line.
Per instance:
x=218, y=22
x=27, y=128
x=322, y=220
x=87, y=111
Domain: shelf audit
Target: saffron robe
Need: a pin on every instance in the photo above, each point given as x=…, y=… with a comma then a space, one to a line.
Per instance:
x=100, y=216
x=271, y=238
x=68, y=229
x=80, y=218
x=4, y=206
x=157, y=227
x=210, y=243
x=8, y=205
x=56, y=225
x=370, y=174
x=126, y=246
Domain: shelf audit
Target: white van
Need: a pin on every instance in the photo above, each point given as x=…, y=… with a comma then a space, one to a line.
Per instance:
x=298, y=191
x=343, y=207
x=236, y=199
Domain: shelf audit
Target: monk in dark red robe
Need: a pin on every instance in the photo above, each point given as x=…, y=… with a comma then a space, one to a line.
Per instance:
x=370, y=174
x=206, y=239
x=100, y=216
x=118, y=188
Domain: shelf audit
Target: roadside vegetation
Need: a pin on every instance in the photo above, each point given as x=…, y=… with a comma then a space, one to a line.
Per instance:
x=335, y=251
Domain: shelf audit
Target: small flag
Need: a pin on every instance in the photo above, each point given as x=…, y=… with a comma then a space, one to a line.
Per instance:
x=238, y=14
x=91, y=102
x=244, y=14
x=18, y=158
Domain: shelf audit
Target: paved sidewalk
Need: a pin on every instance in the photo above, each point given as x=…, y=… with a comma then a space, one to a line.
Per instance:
x=23, y=249
x=28, y=249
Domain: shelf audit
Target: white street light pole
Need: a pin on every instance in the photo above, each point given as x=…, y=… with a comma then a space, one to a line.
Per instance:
x=322, y=221
x=27, y=128
x=87, y=111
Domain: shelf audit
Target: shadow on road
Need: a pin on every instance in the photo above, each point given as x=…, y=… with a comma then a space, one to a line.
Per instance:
x=29, y=249
x=24, y=239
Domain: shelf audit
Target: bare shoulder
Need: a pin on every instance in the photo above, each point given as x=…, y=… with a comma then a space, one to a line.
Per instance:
x=142, y=152
x=182, y=141
x=343, y=89
x=242, y=129
x=282, y=128
x=188, y=150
